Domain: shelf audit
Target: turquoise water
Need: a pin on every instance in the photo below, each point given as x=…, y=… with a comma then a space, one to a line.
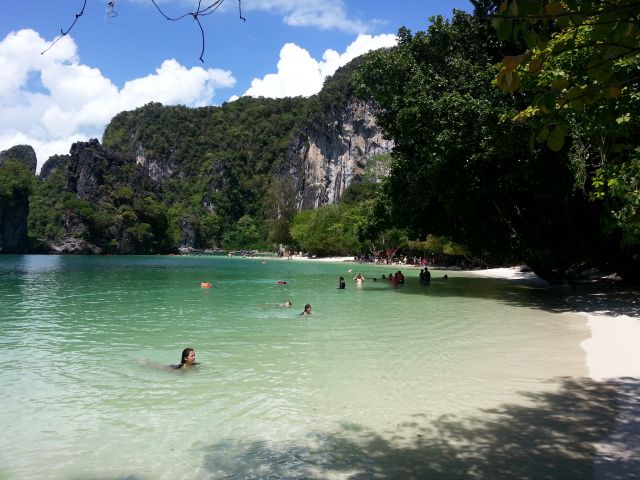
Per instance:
x=84, y=342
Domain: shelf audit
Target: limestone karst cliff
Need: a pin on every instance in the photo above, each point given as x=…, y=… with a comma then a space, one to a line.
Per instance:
x=17, y=166
x=168, y=177
x=326, y=157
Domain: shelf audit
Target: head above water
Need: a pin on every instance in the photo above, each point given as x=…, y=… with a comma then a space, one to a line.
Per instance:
x=188, y=357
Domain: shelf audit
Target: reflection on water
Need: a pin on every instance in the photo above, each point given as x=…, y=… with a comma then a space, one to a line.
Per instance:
x=277, y=394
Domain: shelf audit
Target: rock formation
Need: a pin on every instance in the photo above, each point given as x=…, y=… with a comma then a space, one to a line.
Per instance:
x=14, y=197
x=327, y=157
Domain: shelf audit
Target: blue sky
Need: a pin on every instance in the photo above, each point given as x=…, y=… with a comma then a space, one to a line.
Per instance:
x=107, y=65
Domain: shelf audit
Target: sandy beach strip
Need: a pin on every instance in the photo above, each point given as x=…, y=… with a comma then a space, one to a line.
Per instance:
x=612, y=355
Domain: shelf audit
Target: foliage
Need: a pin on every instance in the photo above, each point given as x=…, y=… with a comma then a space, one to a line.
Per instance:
x=329, y=230
x=14, y=177
x=461, y=169
x=582, y=60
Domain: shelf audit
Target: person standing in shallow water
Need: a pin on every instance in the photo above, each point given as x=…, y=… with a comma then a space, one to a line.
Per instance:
x=187, y=359
x=341, y=284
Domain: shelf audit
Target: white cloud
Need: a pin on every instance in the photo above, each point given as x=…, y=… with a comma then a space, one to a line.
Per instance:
x=301, y=75
x=75, y=101
x=326, y=15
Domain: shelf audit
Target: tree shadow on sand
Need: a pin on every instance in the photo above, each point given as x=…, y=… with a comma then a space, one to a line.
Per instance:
x=611, y=300
x=549, y=436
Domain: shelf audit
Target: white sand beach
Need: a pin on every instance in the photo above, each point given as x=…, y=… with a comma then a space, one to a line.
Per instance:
x=612, y=355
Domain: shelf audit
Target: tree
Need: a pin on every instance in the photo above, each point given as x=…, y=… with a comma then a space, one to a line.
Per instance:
x=582, y=60
x=329, y=230
x=460, y=166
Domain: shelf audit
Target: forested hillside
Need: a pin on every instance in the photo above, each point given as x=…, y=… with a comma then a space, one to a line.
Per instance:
x=469, y=140
x=232, y=176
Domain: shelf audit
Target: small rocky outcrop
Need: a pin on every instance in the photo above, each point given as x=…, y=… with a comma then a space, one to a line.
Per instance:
x=24, y=154
x=55, y=162
x=71, y=245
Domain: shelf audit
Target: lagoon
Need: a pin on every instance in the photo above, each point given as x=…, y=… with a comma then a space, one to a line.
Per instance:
x=466, y=377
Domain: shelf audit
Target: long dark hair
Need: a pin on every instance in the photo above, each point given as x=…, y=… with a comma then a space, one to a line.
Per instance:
x=185, y=354
x=183, y=357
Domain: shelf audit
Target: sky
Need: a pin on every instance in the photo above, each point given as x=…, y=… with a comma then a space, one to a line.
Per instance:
x=122, y=58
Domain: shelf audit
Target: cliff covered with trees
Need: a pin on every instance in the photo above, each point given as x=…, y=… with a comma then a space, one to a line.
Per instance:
x=231, y=176
x=413, y=147
x=17, y=167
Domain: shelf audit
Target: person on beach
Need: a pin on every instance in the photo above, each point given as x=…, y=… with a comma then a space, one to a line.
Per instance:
x=307, y=310
x=359, y=280
x=341, y=284
x=187, y=359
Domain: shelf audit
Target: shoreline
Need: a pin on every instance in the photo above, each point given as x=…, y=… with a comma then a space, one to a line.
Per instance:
x=612, y=356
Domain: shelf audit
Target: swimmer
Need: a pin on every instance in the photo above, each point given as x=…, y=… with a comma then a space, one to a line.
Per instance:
x=281, y=282
x=206, y=284
x=341, y=284
x=187, y=359
x=286, y=304
x=359, y=280
x=307, y=310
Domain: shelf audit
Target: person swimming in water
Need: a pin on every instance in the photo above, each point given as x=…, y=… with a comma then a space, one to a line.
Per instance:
x=307, y=310
x=187, y=359
x=341, y=284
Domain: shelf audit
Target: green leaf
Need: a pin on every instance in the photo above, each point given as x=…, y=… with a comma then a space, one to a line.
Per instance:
x=560, y=84
x=555, y=142
x=508, y=80
x=543, y=134
x=503, y=28
x=623, y=119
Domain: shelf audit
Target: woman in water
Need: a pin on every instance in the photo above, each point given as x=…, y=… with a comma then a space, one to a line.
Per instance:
x=307, y=309
x=187, y=359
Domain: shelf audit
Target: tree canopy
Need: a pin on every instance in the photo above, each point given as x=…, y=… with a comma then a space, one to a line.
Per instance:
x=462, y=166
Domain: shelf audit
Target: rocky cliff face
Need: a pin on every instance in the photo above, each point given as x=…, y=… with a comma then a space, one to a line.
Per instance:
x=55, y=162
x=14, y=204
x=94, y=171
x=330, y=154
x=14, y=212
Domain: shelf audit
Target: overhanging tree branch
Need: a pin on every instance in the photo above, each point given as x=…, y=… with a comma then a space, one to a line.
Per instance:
x=200, y=12
x=64, y=32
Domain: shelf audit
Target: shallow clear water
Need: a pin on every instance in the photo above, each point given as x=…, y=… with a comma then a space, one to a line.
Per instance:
x=84, y=342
